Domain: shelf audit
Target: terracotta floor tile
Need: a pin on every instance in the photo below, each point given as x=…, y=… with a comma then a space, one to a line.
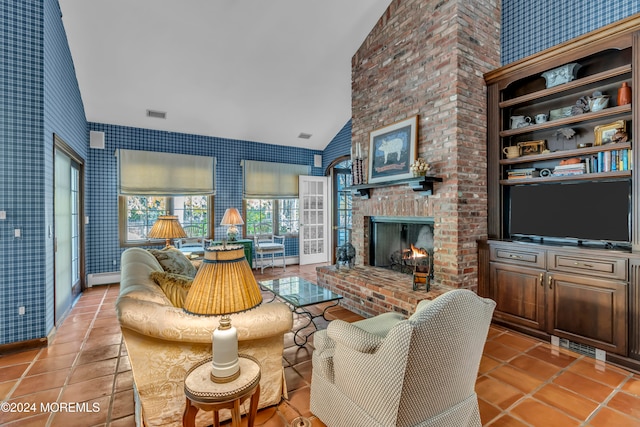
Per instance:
x=13, y=372
x=538, y=414
x=606, y=417
x=516, y=378
x=626, y=403
x=124, y=381
x=570, y=403
x=123, y=404
x=295, y=354
x=534, y=367
x=488, y=412
x=19, y=358
x=99, y=353
x=93, y=412
x=102, y=340
x=507, y=421
x=45, y=381
x=61, y=349
x=30, y=404
x=86, y=390
x=487, y=364
x=6, y=387
x=128, y=421
x=496, y=392
x=299, y=399
x=35, y=421
x=51, y=364
x=605, y=374
x=294, y=379
x=550, y=355
x=519, y=342
x=632, y=385
x=88, y=371
x=584, y=386
x=499, y=351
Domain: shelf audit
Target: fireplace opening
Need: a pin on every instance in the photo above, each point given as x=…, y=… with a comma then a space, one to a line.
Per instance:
x=403, y=244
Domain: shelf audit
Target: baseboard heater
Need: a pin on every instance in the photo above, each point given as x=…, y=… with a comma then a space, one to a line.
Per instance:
x=103, y=278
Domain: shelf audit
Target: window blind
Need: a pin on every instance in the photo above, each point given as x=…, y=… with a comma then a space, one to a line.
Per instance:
x=269, y=180
x=164, y=174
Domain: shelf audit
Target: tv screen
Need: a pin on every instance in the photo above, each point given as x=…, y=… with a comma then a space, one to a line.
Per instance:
x=583, y=210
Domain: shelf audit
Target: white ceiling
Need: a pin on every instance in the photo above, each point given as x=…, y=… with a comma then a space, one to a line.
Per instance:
x=256, y=70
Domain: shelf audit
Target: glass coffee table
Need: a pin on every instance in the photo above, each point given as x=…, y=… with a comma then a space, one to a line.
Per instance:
x=299, y=294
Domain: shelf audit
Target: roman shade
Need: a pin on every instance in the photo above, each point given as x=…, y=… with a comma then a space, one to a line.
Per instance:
x=269, y=180
x=164, y=174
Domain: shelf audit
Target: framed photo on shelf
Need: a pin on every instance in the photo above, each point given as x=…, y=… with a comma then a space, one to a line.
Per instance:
x=604, y=133
x=531, y=147
x=392, y=149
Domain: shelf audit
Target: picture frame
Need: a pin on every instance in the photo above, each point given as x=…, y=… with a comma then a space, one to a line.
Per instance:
x=392, y=149
x=604, y=133
x=532, y=147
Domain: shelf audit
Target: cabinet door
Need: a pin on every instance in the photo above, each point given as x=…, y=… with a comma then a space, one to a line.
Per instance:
x=519, y=294
x=588, y=310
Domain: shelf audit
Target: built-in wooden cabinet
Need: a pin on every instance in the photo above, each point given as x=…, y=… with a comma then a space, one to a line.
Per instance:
x=584, y=292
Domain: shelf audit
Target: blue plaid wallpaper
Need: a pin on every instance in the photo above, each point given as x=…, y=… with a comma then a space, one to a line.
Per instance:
x=531, y=26
x=103, y=249
x=40, y=97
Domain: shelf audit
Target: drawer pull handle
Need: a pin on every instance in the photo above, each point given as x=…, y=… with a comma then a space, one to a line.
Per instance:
x=515, y=256
x=549, y=282
x=542, y=279
x=582, y=264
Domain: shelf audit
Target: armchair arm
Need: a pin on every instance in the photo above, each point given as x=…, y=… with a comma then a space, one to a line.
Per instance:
x=353, y=337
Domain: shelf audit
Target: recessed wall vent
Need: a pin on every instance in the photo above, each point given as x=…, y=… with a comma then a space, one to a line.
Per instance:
x=156, y=114
x=304, y=135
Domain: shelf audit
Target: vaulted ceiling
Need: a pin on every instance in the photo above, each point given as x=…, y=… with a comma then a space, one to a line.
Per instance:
x=263, y=71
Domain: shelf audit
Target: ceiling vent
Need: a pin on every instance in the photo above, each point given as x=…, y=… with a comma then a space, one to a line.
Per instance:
x=156, y=114
x=304, y=135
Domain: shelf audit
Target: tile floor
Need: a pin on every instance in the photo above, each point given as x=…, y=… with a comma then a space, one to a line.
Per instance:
x=522, y=381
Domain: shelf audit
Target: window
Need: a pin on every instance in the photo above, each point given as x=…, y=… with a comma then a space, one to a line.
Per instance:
x=139, y=213
x=266, y=216
x=342, y=202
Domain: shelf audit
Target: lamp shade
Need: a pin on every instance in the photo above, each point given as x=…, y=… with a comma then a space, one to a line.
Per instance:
x=232, y=217
x=224, y=283
x=167, y=227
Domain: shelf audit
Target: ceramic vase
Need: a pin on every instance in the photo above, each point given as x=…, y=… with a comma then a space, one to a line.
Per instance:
x=624, y=94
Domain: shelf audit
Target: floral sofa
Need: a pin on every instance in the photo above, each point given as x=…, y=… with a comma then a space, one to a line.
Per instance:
x=163, y=342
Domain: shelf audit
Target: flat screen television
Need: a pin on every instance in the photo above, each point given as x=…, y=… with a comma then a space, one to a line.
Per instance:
x=584, y=211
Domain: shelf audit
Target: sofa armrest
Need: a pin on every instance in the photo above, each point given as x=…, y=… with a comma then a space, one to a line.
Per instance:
x=174, y=324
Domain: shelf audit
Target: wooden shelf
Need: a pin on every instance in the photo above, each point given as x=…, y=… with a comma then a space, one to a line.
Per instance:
x=612, y=111
x=564, y=178
x=421, y=184
x=566, y=86
x=561, y=154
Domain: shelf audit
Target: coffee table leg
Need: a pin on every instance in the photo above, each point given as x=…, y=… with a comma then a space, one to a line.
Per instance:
x=253, y=407
x=189, y=416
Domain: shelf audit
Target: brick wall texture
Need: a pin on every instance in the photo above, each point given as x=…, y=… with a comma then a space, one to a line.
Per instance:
x=427, y=58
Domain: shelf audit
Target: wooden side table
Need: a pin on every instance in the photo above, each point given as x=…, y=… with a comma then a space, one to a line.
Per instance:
x=203, y=393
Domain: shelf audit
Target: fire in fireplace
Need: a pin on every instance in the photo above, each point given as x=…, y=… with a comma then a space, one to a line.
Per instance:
x=403, y=244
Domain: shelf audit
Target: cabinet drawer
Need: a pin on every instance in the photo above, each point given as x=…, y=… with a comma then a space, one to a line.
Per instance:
x=515, y=255
x=611, y=268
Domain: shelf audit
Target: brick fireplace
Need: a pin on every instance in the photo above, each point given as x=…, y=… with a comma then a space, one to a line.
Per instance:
x=426, y=58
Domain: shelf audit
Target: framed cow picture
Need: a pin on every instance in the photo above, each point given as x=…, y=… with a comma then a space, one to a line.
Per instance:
x=392, y=149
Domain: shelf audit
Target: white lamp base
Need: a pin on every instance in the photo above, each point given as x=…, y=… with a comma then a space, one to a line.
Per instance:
x=226, y=367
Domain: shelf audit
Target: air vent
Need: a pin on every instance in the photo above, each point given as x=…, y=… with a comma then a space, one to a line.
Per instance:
x=156, y=114
x=304, y=135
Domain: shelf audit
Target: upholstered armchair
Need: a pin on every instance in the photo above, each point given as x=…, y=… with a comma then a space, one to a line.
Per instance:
x=391, y=371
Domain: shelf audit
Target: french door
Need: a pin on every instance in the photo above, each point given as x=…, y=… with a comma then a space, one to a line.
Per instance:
x=67, y=226
x=314, y=219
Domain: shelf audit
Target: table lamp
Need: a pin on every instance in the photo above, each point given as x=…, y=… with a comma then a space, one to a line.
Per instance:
x=232, y=218
x=167, y=227
x=223, y=285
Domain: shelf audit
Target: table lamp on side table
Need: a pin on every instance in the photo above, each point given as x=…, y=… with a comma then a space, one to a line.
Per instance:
x=167, y=227
x=232, y=218
x=223, y=285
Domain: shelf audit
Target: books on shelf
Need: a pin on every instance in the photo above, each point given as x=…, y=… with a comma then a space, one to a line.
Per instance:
x=522, y=173
x=572, y=169
x=607, y=161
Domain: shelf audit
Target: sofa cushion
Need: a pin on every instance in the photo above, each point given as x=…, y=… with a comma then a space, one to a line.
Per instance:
x=175, y=286
x=174, y=261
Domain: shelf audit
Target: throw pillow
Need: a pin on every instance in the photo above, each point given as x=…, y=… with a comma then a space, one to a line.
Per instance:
x=175, y=286
x=174, y=261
